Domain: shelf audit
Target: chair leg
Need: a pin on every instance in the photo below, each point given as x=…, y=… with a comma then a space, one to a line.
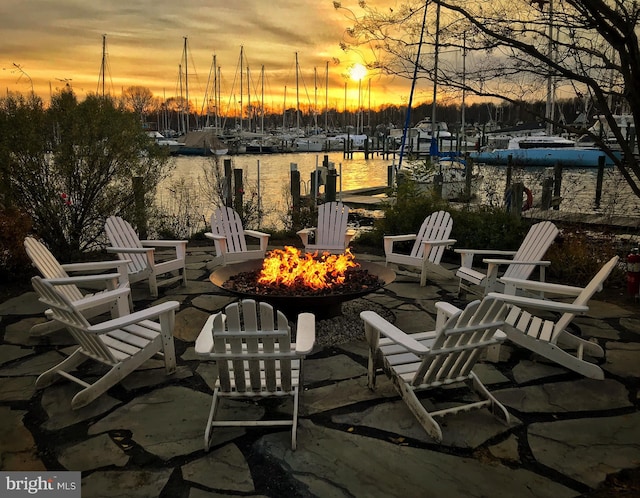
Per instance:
x=50, y=376
x=427, y=422
x=184, y=275
x=44, y=328
x=497, y=408
x=208, y=433
x=294, y=428
x=167, y=322
x=153, y=285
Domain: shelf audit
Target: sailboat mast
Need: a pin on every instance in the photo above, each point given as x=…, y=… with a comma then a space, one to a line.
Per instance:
x=435, y=81
x=186, y=84
x=241, y=66
x=297, y=98
x=262, y=99
x=181, y=127
x=250, y=126
x=216, y=118
x=104, y=60
x=315, y=98
x=284, y=110
x=463, y=135
x=326, y=99
x=550, y=111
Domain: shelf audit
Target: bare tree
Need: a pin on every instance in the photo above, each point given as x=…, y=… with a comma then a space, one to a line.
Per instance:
x=138, y=99
x=523, y=50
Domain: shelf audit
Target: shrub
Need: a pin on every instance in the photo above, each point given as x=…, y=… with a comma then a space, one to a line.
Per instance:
x=488, y=228
x=577, y=255
x=14, y=227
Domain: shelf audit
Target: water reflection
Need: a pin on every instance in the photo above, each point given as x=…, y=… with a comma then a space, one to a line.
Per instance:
x=267, y=177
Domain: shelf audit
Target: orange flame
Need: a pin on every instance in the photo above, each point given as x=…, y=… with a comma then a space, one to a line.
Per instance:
x=291, y=267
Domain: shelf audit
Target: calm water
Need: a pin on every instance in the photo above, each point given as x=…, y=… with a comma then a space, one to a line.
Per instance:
x=267, y=177
x=267, y=174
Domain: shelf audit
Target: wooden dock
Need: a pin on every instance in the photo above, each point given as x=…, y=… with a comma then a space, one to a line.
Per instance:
x=364, y=198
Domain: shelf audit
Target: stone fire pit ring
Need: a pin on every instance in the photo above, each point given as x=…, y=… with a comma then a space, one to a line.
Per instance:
x=324, y=306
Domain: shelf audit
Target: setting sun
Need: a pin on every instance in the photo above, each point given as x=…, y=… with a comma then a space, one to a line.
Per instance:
x=357, y=72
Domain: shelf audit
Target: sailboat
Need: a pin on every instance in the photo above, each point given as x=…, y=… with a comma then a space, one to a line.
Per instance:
x=545, y=149
x=446, y=173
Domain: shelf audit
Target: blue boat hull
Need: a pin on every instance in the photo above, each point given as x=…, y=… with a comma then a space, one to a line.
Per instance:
x=576, y=158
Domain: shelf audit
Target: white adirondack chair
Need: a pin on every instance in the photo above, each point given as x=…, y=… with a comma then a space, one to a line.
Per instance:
x=123, y=343
x=49, y=267
x=331, y=233
x=229, y=237
x=255, y=358
x=520, y=265
x=551, y=338
x=141, y=255
x=437, y=358
x=428, y=248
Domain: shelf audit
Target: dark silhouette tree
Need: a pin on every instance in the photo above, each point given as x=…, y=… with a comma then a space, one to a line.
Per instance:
x=71, y=165
x=521, y=49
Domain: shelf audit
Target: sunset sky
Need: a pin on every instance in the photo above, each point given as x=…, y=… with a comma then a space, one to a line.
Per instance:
x=47, y=43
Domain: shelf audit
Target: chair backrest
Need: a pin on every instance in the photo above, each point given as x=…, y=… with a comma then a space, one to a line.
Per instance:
x=595, y=285
x=225, y=221
x=121, y=234
x=457, y=346
x=65, y=312
x=332, y=224
x=533, y=248
x=436, y=226
x=252, y=348
x=49, y=267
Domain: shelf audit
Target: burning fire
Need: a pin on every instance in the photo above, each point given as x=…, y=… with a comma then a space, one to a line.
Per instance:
x=291, y=267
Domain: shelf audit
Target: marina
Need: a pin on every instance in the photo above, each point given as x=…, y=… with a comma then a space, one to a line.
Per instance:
x=363, y=184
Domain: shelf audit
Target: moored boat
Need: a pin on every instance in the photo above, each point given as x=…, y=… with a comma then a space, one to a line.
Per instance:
x=543, y=150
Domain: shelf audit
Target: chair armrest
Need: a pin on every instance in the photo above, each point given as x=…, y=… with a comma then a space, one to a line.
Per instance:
x=485, y=251
x=515, y=262
x=392, y=332
x=84, y=279
x=466, y=255
x=97, y=299
x=389, y=240
x=256, y=234
x=214, y=236
x=400, y=238
x=444, y=242
x=116, y=323
x=444, y=311
x=96, y=265
x=543, y=304
x=305, y=333
x=534, y=285
x=304, y=234
x=131, y=250
x=263, y=238
x=164, y=243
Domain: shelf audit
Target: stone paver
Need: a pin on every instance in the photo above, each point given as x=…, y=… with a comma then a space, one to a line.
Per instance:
x=144, y=437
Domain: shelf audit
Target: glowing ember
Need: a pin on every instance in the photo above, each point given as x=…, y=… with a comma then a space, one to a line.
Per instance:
x=291, y=273
x=290, y=267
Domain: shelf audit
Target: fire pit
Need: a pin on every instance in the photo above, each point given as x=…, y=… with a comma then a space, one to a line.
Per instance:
x=322, y=293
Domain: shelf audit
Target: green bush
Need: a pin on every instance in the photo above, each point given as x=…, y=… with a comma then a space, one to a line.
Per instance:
x=488, y=228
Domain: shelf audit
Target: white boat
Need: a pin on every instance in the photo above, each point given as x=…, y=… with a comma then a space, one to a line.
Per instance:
x=322, y=143
x=602, y=129
x=172, y=145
